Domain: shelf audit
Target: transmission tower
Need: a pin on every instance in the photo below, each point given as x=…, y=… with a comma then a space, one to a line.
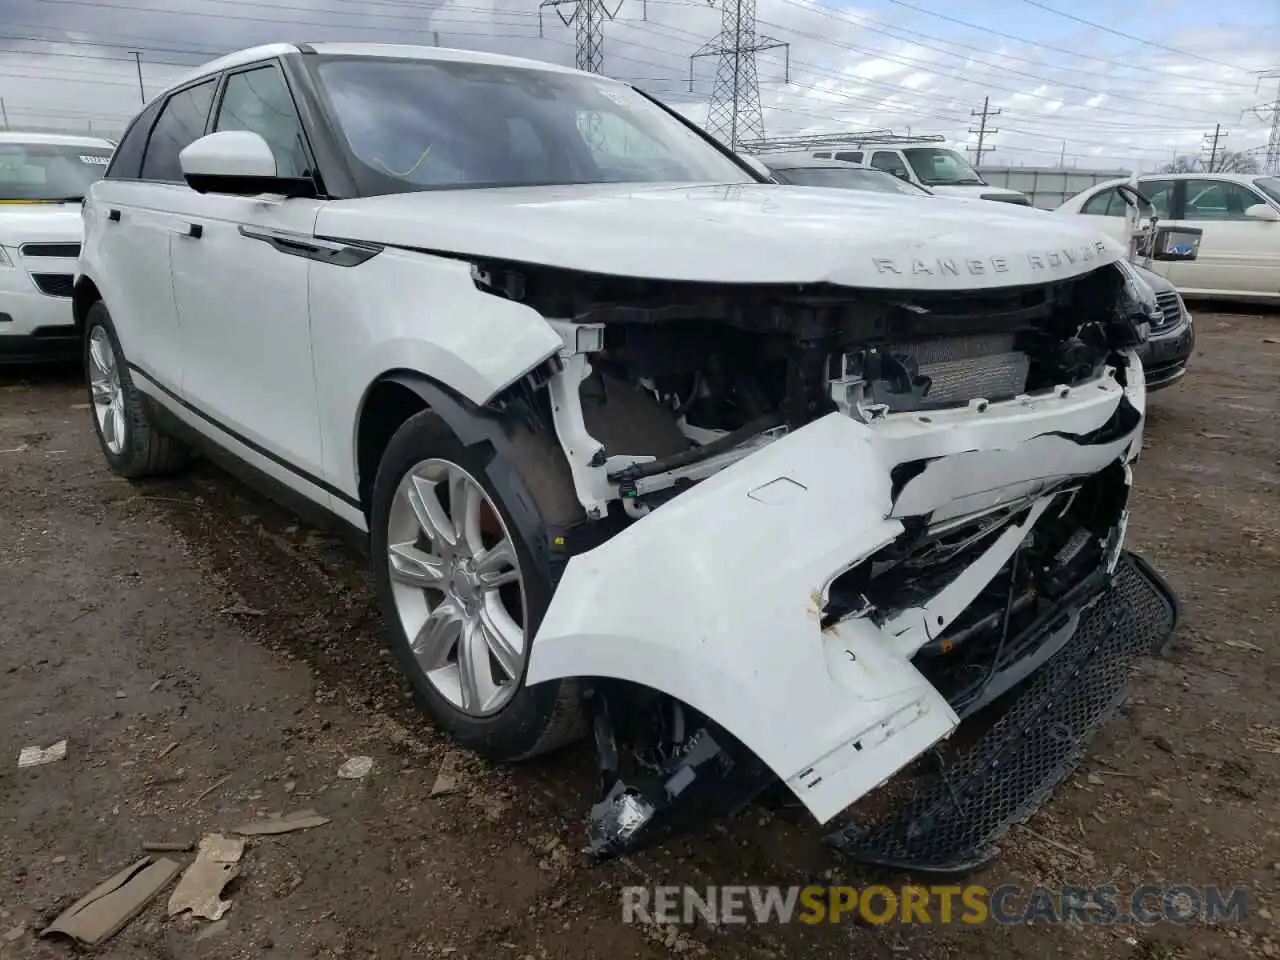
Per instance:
x=1271, y=164
x=734, y=113
x=983, y=130
x=588, y=18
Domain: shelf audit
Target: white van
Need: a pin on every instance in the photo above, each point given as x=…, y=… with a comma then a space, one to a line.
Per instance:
x=942, y=170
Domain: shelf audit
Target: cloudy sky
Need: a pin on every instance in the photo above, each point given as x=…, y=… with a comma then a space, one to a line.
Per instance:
x=1095, y=83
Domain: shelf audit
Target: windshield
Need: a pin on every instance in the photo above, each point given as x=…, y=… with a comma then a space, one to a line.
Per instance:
x=849, y=178
x=49, y=171
x=940, y=167
x=1270, y=186
x=437, y=124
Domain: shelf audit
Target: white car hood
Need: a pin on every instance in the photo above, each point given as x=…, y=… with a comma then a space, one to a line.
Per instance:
x=735, y=233
x=39, y=223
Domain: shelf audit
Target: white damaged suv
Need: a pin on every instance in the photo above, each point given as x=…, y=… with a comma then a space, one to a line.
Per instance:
x=760, y=484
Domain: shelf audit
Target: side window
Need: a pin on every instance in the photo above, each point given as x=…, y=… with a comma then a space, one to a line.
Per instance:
x=1160, y=193
x=181, y=122
x=126, y=161
x=258, y=101
x=1107, y=203
x=852, y=156
x=824, y=155
x=1218, y=200
x=890, y=162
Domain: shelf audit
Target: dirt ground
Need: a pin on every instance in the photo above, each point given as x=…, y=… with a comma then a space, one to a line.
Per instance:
x=210, y=659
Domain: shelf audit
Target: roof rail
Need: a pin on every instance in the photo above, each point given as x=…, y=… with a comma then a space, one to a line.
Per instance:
x=858, y=138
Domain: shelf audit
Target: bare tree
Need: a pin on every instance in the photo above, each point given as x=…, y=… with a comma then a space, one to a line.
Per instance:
x=1228, y=161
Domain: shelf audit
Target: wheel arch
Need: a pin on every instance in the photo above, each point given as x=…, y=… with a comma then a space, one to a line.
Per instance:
x=390, y=400
x=538, y=496
x=395, y=396
x=83, y=296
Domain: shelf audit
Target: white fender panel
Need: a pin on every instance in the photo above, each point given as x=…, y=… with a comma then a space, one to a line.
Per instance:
x=403, y=310
x=715, y=597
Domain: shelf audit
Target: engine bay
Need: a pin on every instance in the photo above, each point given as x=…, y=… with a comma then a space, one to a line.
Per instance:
x=662, y=385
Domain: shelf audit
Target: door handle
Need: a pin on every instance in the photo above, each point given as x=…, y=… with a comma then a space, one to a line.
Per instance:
x=195, y=231
x=113, y=216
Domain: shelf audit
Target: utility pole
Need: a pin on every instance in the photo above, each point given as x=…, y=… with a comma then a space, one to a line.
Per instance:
x=588, y=18
x=1211, y=141
x=1062, y=156
x=982, y=130
x=137, y=58
x=4, y=114
x=734, y=113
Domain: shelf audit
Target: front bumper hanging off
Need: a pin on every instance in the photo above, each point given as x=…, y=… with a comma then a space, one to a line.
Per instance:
x=720, y=601
x=957, y=813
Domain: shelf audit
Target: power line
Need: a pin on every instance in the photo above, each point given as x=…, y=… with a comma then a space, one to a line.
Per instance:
x=1035, y=43
x=924, y=66
x=734, y=112
x=1149, y=115
x=894, y=30
x=1129, y=36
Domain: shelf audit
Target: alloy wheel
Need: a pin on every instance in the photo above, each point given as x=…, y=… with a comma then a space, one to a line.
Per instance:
x=457, y=587
x=106, y=391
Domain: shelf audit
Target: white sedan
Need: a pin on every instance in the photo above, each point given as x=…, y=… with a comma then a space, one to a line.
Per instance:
x=1239, y=256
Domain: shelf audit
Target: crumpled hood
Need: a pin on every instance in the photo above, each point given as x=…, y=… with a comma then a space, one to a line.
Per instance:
x=736, y=233
x=40, y=223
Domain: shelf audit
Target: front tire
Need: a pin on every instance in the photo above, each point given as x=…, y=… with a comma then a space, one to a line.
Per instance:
x=132, y=445
x=461, y=591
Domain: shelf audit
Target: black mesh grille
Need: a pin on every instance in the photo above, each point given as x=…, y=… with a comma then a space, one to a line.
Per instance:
x=1170, y=310
x=66, y=250
x=953, y=823
x=55, y=284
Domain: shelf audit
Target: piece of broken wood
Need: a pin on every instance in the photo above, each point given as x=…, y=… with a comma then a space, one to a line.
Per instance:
x=286, y=823
x=166, y=846
x=209, y=789
x=1243, y=645
x=103, y=911
x=35, y=756
x=447, y=776
x=200, y=888
x=1058, y=844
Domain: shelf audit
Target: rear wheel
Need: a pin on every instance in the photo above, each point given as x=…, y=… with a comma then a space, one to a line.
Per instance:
x=461, y=591
x=132, y=445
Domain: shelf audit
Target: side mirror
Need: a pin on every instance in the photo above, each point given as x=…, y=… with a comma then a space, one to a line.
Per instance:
x=1262, y=211
x=240, y=163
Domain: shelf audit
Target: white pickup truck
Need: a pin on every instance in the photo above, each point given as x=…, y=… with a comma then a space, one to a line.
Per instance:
x=759, y=484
